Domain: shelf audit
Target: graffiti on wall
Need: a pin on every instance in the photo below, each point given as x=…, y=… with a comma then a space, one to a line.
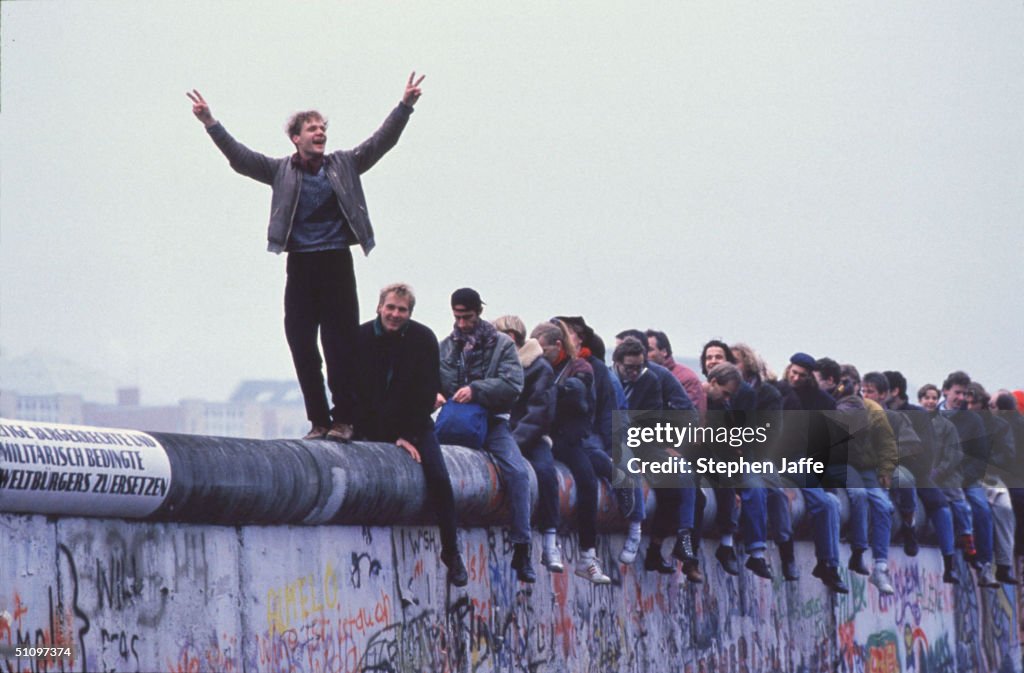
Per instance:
x=140, y=597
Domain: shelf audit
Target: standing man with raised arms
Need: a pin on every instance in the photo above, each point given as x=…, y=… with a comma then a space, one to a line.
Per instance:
x=317, y=211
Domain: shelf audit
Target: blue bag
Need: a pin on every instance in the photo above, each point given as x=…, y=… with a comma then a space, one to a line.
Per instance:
x=462, y=425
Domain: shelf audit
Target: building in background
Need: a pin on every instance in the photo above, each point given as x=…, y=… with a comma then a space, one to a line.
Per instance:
x=50, y=388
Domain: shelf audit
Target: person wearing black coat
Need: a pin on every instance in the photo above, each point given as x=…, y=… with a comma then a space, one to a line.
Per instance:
x=530, y=422
x=676, y=493
x=573, y=439
x=396, y=383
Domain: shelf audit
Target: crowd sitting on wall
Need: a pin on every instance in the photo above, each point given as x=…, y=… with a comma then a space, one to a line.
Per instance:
x=545, y=394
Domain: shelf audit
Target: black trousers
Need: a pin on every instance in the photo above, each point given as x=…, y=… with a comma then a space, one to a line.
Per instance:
x=439, y=490
x=320, y=299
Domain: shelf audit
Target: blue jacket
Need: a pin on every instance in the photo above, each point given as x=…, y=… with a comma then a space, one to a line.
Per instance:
x=672, y=392
x=606, y=402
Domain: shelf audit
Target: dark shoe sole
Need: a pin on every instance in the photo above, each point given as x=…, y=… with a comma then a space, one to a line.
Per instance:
x=662, y=568
x=728, y=561
x=761, y=571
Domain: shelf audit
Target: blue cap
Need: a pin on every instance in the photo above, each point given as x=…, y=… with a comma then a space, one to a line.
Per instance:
x=804, y=360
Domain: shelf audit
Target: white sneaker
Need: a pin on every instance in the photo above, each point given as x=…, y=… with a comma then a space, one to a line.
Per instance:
x=589, y=569
x=986, y=578
x=880, y=578
x=551, y=558
x=630, y=548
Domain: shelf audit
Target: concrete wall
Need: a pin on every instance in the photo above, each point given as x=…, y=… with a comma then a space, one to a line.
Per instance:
x=311, y=557
x=187, y=598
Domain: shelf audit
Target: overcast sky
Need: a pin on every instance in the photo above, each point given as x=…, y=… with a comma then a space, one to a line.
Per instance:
x=843, y=178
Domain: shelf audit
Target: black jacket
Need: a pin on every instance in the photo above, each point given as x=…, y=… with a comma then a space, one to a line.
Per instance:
x=397, y=381
x=975, y=443
x=534, y=411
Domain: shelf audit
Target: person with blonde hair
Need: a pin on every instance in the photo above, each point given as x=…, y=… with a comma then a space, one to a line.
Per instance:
x=317, y=212
x=396, y=383
x=530, y=421
x=572, y=434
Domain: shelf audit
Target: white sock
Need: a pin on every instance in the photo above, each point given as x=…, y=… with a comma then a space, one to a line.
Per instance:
x=634, y=529
x=550, y=539
x=727, y=540
x=882, y=564
x=588, y=554
x=757, y=553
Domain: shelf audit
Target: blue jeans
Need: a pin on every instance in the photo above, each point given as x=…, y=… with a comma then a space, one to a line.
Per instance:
x=823, y=511
x=936, y=506
x=779, y=516
x=543, y=463
x=515, y=474
x=961, y=511
x=726, y=515
x=862, y=499
x=688, y=497
x=981, y=513
x=759, y=503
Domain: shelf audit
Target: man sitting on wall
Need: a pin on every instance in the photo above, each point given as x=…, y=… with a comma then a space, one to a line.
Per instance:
x=396, y=383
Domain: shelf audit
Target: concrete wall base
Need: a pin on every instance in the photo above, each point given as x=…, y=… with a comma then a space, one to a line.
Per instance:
x=187, y=598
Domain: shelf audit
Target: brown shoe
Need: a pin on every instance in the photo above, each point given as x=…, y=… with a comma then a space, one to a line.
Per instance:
x=692, y=571
x=340, y=432
x=318, y=432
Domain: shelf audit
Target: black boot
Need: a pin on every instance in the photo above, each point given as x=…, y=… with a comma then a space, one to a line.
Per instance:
x=829, y=576
x=1004, y=575
x=457, y=573
x=683, y=549
x=521, y=563
x=949, y=574
x=759, y=566
x=655, y=562
x=910, y=545
x=790, y=571
x=856, y=563
x=727, y=558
